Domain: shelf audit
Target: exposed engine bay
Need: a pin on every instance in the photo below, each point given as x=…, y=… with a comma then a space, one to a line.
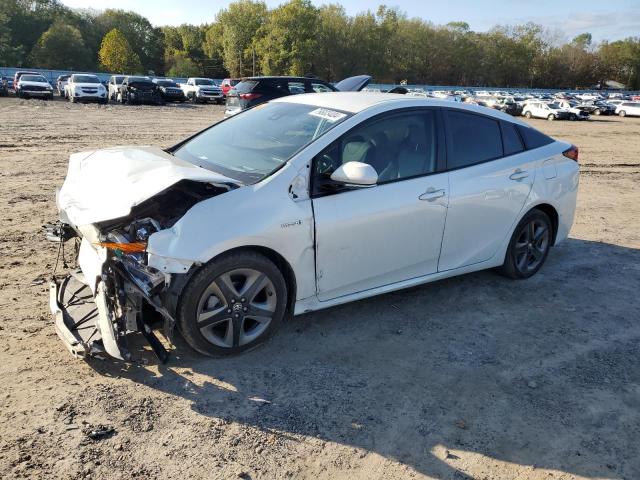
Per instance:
x=114, y=291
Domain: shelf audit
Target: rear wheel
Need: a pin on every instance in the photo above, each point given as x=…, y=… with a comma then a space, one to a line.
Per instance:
x=529, y=246
x=233, y=304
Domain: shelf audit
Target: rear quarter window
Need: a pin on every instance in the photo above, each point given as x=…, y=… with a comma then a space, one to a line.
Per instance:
x=533, y=138
x=511, y=139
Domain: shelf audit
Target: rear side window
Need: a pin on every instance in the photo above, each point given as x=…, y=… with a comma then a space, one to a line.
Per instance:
x=295, y=87
x=471, y=139
x=533, y=138
x=511, y=139
x=246, y=86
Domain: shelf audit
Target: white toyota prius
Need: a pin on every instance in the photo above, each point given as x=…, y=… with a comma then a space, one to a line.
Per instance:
x=300, y=204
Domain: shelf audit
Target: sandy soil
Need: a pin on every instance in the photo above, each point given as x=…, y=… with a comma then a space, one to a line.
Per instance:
x=476, y=377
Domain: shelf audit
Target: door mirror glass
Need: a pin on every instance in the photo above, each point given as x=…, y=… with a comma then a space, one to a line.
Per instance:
x=355, y=173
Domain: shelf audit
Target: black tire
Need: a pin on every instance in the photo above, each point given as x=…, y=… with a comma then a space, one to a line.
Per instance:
x=194, y=98
x=195, y=293
x=573, y=117
x=527, y=114
x=622, y=113
x=597, y=111
x=551, y=117
x=520, y=251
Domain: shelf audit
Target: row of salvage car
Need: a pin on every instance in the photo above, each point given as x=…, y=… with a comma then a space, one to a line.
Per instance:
x=558, y=106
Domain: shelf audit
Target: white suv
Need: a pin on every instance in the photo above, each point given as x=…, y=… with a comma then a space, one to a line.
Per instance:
x=85, y=87
x=628, y=108
x=544, y=110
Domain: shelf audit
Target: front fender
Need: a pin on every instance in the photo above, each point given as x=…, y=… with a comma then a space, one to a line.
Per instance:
x=261, y=215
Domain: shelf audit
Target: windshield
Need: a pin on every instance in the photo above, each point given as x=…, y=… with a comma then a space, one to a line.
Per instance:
x=204, y=81
x=33, y=78
x=555, y=106
x=166, y=83
x=85, y=79
x=252, y=145
x=118, y=80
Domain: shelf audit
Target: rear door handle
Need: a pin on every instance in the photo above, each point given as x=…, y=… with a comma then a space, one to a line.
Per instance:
x=519, y=175
x=431, y=195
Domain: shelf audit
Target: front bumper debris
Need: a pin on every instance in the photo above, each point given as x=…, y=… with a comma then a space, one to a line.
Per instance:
x=75, y=315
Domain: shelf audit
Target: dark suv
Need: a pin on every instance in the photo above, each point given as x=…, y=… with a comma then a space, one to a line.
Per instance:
x=253, y=91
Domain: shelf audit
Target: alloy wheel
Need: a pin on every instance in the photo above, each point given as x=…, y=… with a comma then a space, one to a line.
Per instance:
x=236, y=308
x=531, y=245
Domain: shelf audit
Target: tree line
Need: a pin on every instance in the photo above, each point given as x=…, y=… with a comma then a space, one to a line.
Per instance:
x=298, y=38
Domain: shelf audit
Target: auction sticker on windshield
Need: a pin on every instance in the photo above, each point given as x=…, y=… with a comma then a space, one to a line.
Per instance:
x=329, y=115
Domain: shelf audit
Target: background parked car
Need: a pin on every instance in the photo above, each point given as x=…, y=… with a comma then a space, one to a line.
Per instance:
x=169, y=90
x=113, y=85
x=544, y=110
x=85, y=87
x=628, y=108
x=227, y=84
x=253, y=91
x=571, y=106
x=36, y=85
x=18, y=74
x=202, y=90
x=4, y=89
x=61, y=82
x=139, y=90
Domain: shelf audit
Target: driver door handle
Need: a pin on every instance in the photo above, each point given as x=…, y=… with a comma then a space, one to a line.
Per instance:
x=432, y=194
x=519, y=174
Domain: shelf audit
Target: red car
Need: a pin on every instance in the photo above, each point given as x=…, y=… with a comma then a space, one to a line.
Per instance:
x=228, y=84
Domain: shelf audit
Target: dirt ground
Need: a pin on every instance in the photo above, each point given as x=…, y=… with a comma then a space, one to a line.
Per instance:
x=476, y=377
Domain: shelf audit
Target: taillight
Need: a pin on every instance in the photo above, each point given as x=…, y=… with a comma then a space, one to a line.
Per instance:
x=572, y=153
x=250, y=96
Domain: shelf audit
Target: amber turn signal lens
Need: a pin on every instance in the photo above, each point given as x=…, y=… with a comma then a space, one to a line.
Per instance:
x=134, y=247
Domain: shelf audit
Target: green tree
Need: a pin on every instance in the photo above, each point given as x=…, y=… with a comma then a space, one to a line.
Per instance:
x=241, y=25
x=213, y=49
x=145, y=40
x=288, y=39
x=116, y=55
x=61, y=46
x=182, y=66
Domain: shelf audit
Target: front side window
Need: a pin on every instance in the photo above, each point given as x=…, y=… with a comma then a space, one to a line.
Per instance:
x=471, y=139
x=254, y=144
x=398, y=147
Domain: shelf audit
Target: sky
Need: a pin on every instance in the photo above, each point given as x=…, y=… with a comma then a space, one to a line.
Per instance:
x=604, y=19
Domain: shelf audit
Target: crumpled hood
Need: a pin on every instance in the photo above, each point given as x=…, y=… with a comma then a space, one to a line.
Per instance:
x=105, y=184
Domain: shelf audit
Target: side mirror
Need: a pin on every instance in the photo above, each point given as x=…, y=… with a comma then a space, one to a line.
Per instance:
x=355, y=173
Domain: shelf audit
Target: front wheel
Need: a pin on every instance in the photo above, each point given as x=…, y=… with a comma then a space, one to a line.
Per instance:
x=233, y=304
x=529, y=246
x=551, y=117
x=622, y=113
x=527, y=114
x=597, y=111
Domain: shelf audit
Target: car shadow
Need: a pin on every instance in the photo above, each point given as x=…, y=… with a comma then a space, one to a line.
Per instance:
x=542, y=373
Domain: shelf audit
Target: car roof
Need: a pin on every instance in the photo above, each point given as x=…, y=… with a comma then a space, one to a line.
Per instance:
x=275, y=77
x=355, y=102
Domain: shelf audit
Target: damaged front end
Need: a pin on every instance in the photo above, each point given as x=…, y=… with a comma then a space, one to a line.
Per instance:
x=114, y=291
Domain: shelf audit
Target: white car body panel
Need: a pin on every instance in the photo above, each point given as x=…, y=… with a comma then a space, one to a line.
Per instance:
x=369, y=241
x=360, y=226
x=106, y=184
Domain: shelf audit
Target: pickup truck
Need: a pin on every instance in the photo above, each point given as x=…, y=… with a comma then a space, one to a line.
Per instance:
x=202, y=90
